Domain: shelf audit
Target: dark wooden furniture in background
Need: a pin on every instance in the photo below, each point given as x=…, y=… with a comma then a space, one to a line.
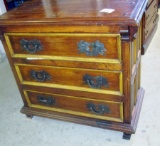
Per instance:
x=78, y=62
x=10, y=4
x=149, y=23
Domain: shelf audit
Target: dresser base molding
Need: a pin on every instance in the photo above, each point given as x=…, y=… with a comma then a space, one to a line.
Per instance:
x=127, y=128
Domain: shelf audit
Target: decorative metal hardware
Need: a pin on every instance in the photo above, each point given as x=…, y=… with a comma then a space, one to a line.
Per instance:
x=98, y=109
x=31, y=46
x=40, y=76
x=95, y=82
x=91, y=49
x=47, y=100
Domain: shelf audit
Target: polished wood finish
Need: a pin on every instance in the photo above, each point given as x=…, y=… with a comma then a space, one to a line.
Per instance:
x=52, y=48
x=62, y=12
x=70, y=78
x=53, y=44
x=70, y=106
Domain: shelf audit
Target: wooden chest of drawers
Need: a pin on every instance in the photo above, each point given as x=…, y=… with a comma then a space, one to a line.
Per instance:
x=149, y=23
x=78, y=64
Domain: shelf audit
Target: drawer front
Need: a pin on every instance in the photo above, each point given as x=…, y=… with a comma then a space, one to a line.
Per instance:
x=98, y=109
x=150, y=26
x=150, y=12
x=65, y=46
x=107, y=82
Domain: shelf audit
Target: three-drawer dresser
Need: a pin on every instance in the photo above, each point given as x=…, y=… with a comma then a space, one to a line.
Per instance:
x=78, y=61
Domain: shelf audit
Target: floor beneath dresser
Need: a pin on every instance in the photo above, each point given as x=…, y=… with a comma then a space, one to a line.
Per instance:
x=17, y=130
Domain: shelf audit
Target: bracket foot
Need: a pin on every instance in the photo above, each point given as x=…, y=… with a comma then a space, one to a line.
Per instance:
x=29, y=116
x=126, y=136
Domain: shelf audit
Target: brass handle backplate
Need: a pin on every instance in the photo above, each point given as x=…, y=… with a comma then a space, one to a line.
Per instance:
x=95, y=82
x=91, y=49
x=40, y=76
x=31, y=46
x=47, y=100
x=98, y=109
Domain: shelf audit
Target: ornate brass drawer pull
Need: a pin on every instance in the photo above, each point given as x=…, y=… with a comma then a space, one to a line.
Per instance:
x=91, y=49
x=40, y=76
x=47, y=100
x=98, y=109
x=95, y=82
x=31, y=46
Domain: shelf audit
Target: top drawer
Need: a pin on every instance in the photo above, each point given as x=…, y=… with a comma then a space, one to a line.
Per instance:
x=58, y=46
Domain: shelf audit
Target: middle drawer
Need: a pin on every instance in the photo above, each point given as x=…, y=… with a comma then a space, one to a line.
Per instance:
x=99, y=81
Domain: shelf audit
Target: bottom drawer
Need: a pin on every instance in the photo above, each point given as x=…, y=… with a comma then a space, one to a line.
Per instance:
x=99, y=109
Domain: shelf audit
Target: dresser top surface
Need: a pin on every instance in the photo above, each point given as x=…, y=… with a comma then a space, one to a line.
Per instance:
x=76, y=12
